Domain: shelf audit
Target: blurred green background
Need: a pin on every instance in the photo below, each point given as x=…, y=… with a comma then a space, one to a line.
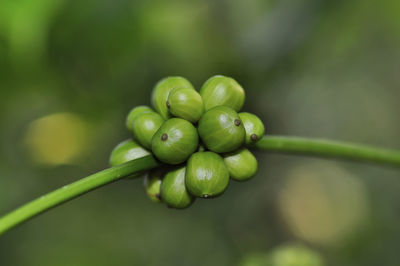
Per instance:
x=71, y=70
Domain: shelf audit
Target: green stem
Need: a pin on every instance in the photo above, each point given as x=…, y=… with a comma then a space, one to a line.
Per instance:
x=331, y=149
x=295, y=145
x=74, y=190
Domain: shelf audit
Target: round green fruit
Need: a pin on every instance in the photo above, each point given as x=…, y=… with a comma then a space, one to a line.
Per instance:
x=221, y=129
x=175, y=141
x=173, y=189
x=185, y=103
x=254, y=127
x=135, y=112
x=220, y=90
x=206, y=175
x=145, y=125
x=126, y=151
x=152, y=184
x=161, y=92
x=242, y=165
x=201, y=147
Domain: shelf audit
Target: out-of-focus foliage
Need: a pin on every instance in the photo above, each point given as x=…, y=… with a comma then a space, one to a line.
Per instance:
x=285, y=255
x=71, y=70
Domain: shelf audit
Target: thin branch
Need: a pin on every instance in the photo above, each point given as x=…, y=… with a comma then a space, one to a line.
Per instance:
x=331, y=149
x=292, y=145
x=74, y=190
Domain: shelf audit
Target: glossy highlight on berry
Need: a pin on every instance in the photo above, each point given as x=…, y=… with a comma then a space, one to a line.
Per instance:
x=173, y=189
x=134, y=113
x=207, y=175
x=152, y=184
x=241, y=164
x=221, y=129
x=185, y=103
x=220, y=90
x=161, y=92
x=175, y=141
x=254, y=127
x=145, y=125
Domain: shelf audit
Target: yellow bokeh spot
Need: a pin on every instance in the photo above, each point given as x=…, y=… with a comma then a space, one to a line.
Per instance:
x=57, y=138
x=323, y=203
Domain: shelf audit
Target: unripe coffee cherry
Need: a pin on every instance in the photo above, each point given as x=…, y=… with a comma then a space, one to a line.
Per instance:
x=126, y=151
x=254, y=127
x=220, y=90
x=185, y=103
x=206, y=175
x=152, y=184
x=161, y=91
x=221, y=129
x=145, y=125
x=242, y=165
x=173, y=189
x=175, y=141
x=134, y=112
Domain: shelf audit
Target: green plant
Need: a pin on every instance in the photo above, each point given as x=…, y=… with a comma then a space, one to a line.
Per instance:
x=135, y=111
x=152, y=184
x=173, y=189
x=221, y=129
x=161, y=92
x=220, y=90
x=185, y=103
x=254, y=127
x=175, y=141
x=145, y=125
x=242, y=165
x=207, y=174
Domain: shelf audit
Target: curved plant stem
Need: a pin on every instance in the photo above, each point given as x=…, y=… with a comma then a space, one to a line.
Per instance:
x=296, y=145
x=329, y=148
x=74, y=190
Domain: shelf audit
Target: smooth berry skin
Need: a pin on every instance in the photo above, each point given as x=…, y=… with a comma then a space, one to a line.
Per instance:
x=161, y=92
x=221, y=129
x=175, y=141
x=206, y=175
x=145, y=125
x=241, y=164
x=152, y=184
x=186, y=104
x=134, y=113
x=220, y=90
x=254, y=127
x=126, y=151
x=173, y=189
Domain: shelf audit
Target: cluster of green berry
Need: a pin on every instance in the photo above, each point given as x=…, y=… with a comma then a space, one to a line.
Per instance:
x=200, y=137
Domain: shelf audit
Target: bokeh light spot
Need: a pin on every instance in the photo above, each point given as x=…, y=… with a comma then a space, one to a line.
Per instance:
x=323, y=204
x=57, y=138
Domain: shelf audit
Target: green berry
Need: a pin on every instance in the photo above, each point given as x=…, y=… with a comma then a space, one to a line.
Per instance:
x=220, y=90
x=161, y=92
x=242, y=165
x=145, y=125
x=126, y=151
x=175, y=141
x=201, y=147
x=206, y=175
x=152, y=184
x=254, y=127
x=185, y=103
x=221, y=129
x=173, y=189
x=135, y=112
